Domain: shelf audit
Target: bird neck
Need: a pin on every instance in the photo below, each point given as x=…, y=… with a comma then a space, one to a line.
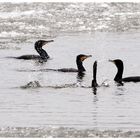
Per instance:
x=43, y=54
x=94, y=81
x=80, y=66
x=119, y=74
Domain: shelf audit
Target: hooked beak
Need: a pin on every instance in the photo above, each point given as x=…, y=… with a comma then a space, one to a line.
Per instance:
x=111, y=61
x=85, y=57
x=48, y=41
x=88, y=56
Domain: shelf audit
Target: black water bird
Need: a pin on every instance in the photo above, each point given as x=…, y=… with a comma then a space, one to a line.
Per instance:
x=79, y=61
x=120, y=67
x=94, y=81
x=38, y=47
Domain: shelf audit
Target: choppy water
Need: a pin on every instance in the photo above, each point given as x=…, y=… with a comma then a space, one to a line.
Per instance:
x=55, y=104
x=34, y=20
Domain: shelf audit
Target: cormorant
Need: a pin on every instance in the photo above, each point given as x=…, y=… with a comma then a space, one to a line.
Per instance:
x=79, y=61
x=94, y=81
x=118, y=78
x=38, y=47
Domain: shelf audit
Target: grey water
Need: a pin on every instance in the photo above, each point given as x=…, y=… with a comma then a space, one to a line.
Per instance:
x=56, y=104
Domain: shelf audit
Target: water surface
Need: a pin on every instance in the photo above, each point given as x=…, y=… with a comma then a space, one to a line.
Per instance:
x=64, y=105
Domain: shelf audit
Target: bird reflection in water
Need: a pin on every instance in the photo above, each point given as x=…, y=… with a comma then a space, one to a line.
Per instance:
x=94, y=90
x=80, y=76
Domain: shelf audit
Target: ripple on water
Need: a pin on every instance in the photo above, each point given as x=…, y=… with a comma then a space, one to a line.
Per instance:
x=62, y=132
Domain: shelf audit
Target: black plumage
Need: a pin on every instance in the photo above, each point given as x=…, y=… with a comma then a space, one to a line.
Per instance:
x=38, y=47
x=120, y=68
x=79, y=61
x=94, y=81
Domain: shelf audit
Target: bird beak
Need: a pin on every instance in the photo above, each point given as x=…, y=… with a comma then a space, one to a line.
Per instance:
x=85, y=57
x=111, y=61
x=88, y=56
x=48, y=41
